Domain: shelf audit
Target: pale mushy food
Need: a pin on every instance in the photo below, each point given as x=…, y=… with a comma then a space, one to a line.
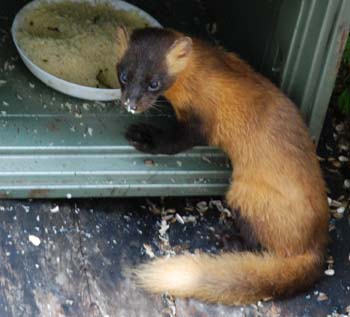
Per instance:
x=76, y=41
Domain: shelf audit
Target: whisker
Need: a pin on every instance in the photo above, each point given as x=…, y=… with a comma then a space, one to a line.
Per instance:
x=156, y=109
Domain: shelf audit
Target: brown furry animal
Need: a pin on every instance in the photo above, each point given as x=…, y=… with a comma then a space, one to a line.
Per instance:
x=277, y=183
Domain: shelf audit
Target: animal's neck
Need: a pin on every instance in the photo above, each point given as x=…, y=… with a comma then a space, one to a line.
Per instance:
x=188, y=94
x=179, y=93
x=207, y=89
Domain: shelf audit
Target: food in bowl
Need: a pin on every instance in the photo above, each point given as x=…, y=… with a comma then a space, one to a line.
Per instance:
x=76, y=41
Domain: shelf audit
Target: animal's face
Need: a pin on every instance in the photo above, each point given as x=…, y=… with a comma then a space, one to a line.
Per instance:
x=143, y=78
x=144, y=70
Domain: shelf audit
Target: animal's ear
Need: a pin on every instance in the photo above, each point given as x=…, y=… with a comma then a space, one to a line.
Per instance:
x=178, y=55
x=122, y=40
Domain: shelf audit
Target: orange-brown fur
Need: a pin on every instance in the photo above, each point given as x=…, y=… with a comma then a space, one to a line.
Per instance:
x=277, y=185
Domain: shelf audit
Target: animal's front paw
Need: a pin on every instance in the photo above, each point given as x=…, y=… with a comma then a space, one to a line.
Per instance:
x=142, y=137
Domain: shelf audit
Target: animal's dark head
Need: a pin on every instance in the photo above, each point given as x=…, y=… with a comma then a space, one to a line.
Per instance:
x=149, y=62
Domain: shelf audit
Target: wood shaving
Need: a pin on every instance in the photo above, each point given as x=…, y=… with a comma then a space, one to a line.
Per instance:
x=340, y=210
x=148, y=250
x=163, y=228
x=170, y=311
x=202, y=206
x=189, y=219
x=329, y=272
x=34, y=240
x=180, y=219
x=343, y=159
x=322, y=297
x=55, y=209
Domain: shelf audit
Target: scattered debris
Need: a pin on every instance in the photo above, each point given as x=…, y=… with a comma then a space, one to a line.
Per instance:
x=202, y=206
x=90, y=131
x=170, y=311
x=329, y=201
x=180, y=219
x=220, y=207
x=8, y=66
x=343, y=159
x=347, y=184
x=340, y=210
x=148, y=250
x=322, y=297
x=340, y=127
x=189, y=219
x=347, y=309
x=149, y=162
x=329, y=272
x=34, y=240
x=206, y=159
x=163, y=228
x=55, y=209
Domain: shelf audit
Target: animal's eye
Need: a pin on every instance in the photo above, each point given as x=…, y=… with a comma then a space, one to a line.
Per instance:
x=123, y=77
x=154, y=85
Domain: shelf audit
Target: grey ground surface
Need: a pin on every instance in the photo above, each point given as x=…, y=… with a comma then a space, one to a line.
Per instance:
x=76, y=270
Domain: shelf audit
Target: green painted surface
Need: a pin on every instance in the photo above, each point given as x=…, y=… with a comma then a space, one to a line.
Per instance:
x=311, y=35
x=53, y=146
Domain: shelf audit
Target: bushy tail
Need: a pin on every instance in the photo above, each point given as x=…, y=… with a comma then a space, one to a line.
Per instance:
x=232, y=278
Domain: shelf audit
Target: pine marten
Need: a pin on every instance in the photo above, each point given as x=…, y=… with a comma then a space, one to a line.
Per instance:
x=277, y=190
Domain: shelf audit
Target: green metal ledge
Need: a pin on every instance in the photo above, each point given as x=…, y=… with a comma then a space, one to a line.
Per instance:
x=109, y=171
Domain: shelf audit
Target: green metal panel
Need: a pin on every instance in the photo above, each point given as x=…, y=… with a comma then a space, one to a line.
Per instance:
x=312, y=49
x=55, y=146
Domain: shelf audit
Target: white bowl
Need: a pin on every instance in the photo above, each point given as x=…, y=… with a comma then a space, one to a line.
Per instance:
x=66, y=87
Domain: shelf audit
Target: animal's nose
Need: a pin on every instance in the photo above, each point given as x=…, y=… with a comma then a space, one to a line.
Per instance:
x=133, y=107
x=130, y=105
